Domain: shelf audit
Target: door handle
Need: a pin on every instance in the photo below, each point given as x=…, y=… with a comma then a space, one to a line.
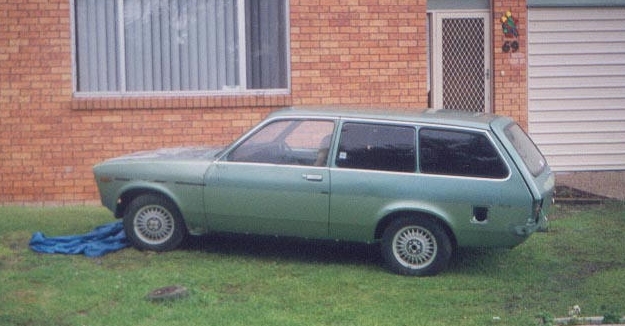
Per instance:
x=312, y=177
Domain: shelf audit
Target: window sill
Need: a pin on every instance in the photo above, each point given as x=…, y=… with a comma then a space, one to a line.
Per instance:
x=177, y=102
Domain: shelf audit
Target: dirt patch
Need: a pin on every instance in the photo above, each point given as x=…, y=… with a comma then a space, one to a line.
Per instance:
x=610, y=184
x=570, y=195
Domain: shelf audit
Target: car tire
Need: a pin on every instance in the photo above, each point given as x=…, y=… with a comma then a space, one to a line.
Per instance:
x=415, y=246
x=153, y=222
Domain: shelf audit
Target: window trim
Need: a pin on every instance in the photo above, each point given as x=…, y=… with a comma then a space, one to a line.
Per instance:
x=238, y=91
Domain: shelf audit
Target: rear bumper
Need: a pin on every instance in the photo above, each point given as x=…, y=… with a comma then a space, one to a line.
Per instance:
x=508, y=236
x=532, y=226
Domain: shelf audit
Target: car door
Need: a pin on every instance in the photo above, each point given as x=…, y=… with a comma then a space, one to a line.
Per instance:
x=374, y=169
x=276, y=181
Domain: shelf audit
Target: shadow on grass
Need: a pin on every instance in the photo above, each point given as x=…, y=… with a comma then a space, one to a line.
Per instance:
x=471, y=261
x=286, y=248
x=324, y=251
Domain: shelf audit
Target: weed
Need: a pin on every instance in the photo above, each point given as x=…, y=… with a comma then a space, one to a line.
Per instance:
x=611, y=316
x=546, y=319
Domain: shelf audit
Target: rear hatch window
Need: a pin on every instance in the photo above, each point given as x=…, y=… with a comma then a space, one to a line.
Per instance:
x=530, y=154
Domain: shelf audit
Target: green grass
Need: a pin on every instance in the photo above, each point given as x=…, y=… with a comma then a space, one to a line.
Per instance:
x=239, y=280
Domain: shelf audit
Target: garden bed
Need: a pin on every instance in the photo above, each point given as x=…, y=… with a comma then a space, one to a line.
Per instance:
x=570, y=195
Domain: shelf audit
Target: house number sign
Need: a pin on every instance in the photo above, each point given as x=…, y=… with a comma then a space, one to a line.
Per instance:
x=509, y=27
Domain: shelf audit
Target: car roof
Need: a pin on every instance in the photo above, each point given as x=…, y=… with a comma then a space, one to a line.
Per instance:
x=479, y=120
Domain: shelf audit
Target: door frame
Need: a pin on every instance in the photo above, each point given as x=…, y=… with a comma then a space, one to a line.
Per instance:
x=435, y=19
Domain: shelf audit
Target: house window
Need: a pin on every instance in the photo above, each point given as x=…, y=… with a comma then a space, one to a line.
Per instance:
x=157, y=46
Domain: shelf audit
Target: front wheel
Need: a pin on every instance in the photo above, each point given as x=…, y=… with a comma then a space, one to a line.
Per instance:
x=153, y=222
x=415, y=246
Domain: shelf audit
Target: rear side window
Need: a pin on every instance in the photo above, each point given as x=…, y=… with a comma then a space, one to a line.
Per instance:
x=459, y=153
x=531, y=156
x=377, y=147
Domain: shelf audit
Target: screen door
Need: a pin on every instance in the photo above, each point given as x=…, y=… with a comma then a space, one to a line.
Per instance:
x=460, y=50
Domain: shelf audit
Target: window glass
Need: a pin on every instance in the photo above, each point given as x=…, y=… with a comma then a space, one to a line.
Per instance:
x=180, y=45
x=297, y=142
x=459, y=153
x=530, y=154
x=266, y=43
x=377, y=147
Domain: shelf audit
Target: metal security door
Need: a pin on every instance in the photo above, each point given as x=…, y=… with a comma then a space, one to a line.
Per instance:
x=461, y=61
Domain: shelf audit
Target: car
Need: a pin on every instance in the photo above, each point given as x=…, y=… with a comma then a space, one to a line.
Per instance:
x=418, y=183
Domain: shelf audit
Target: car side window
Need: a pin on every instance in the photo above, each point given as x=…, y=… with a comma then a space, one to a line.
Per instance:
x=377, y=147
x=459, y=153
x=296, y=142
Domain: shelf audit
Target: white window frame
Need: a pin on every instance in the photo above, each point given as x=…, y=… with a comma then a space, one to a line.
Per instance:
x=242, y=69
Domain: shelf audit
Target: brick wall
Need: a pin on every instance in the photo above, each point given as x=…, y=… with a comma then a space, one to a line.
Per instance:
x=510, y=69
x=346, y=51
x=359, y=52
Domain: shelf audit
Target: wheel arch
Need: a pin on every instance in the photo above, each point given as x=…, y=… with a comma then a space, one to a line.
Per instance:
x=129, y=194
x=390, y=217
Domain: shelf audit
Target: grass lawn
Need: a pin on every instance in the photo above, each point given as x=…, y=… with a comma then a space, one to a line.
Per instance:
x=244, y=280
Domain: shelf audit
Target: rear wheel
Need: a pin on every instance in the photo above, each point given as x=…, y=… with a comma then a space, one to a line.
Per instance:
x=415, y=246
x=153, y=222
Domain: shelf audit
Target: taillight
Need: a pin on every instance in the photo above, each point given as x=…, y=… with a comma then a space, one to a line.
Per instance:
x=538, y=206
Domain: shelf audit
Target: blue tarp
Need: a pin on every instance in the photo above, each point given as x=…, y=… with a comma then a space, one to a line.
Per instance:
x=102, y=240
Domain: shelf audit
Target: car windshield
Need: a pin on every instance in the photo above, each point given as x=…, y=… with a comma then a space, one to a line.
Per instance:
x=530, y=154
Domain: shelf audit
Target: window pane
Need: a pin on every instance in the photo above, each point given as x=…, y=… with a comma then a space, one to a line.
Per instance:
x=96, y=45
x=459, y=153
x=309, y=142
x=266, y=44
x=295, y=142
x=377, y=147
x=530, y=154
x=180, y=45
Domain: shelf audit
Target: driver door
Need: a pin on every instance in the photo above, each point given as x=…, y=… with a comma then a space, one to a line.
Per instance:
x=274, y=182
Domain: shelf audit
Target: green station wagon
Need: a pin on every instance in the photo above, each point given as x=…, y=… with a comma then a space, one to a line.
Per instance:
x=419, y=183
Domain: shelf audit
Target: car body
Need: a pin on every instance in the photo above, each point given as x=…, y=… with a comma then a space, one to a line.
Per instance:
x=419, y=183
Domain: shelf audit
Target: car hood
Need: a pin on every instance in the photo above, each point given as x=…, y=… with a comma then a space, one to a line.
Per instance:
x=181, y=164
x=170, y=154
